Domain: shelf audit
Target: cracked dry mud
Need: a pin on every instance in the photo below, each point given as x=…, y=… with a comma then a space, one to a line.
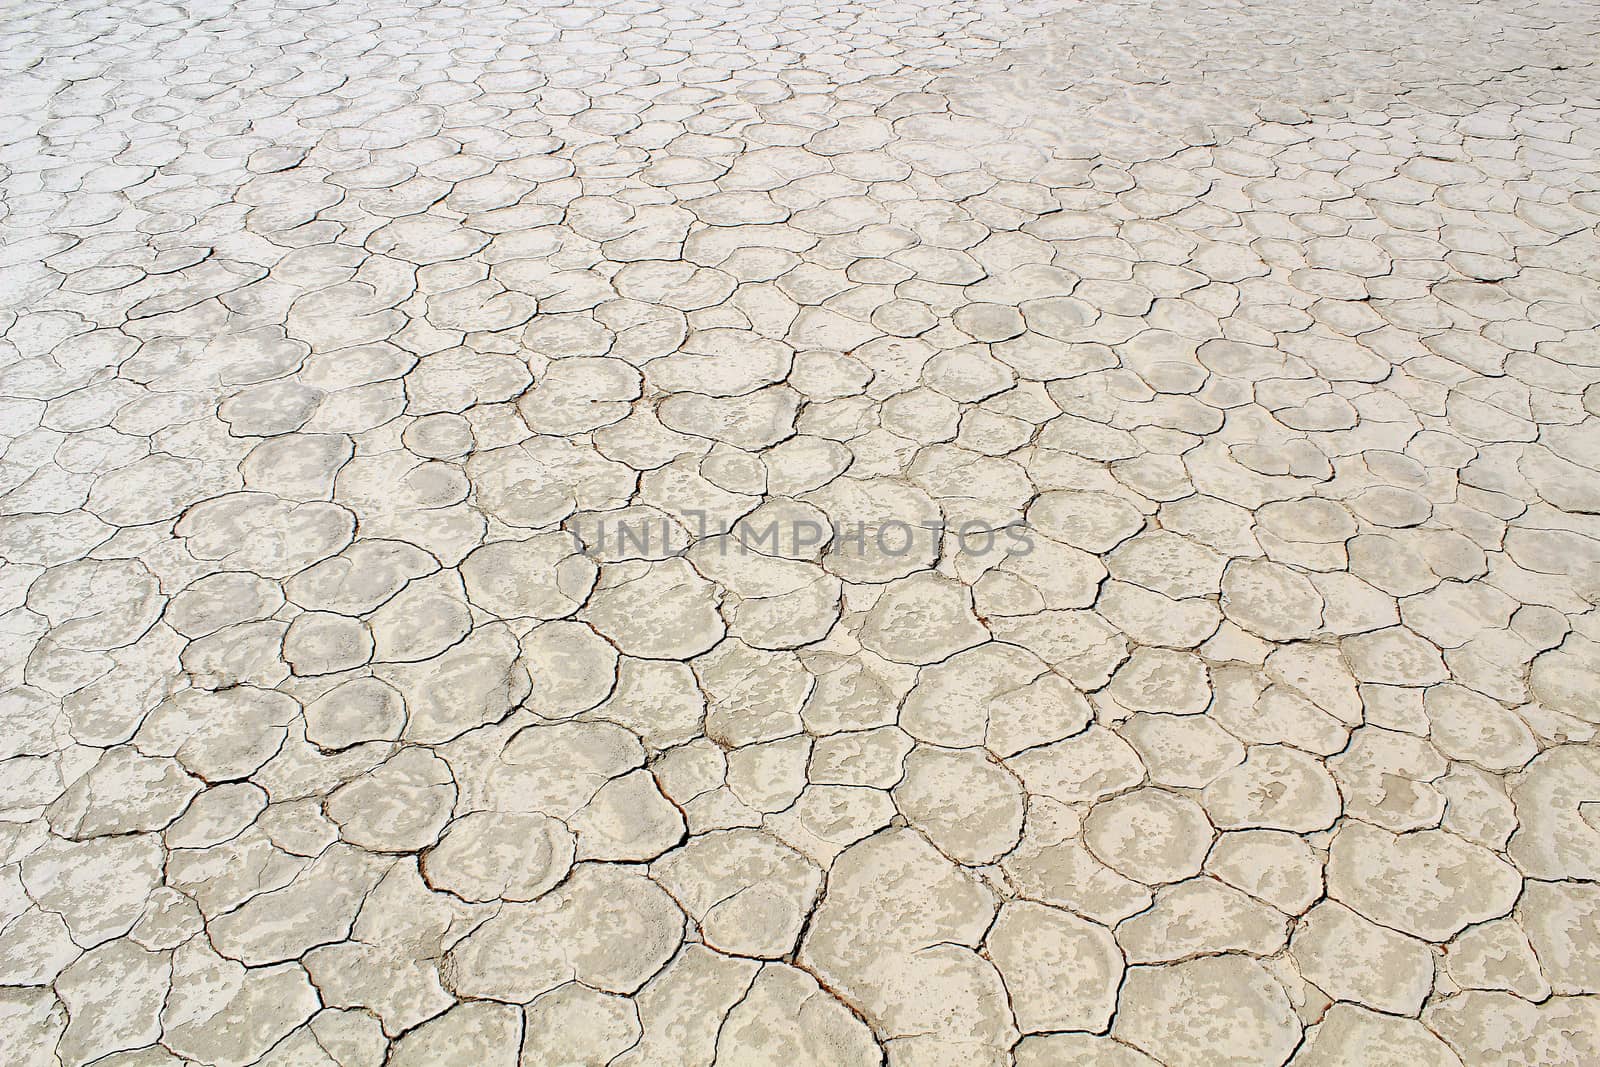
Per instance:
x=335, y=730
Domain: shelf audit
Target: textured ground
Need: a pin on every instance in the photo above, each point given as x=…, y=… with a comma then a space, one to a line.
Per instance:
x=339, y=727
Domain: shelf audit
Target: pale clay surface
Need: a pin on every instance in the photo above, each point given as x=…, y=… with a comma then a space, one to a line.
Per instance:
x=336, y=730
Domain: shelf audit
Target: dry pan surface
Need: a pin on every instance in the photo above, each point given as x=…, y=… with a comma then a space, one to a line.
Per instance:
x=340, y=725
